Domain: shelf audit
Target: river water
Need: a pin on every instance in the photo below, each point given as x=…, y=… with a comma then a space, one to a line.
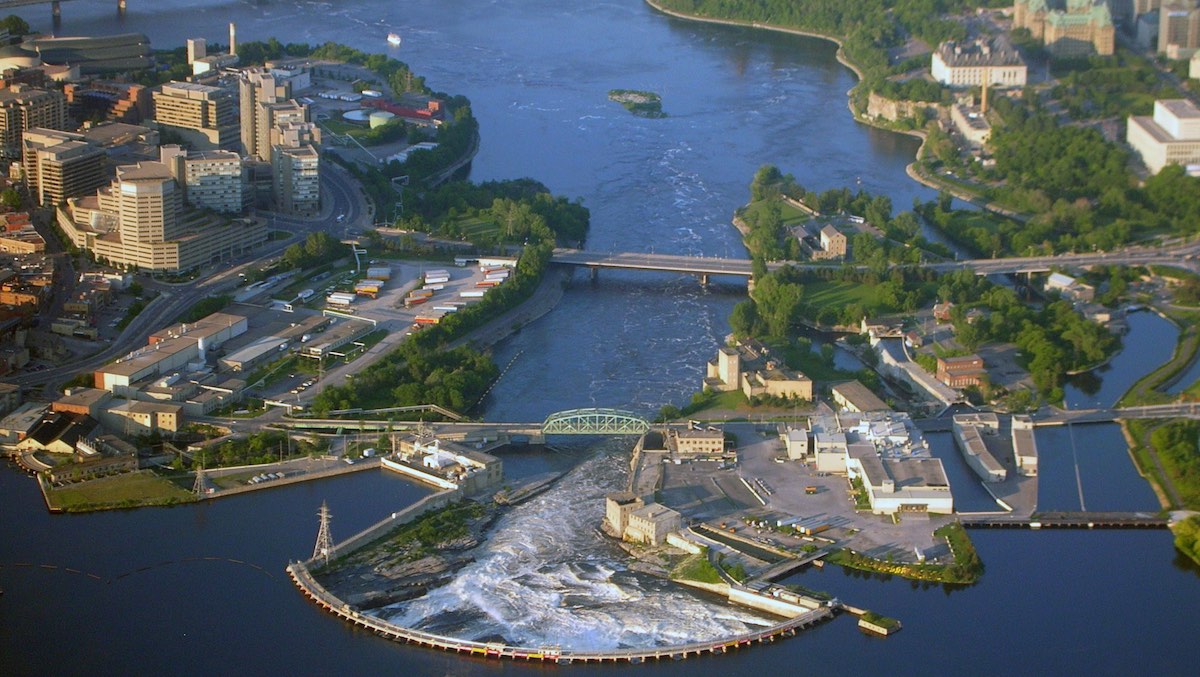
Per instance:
x=537, y=73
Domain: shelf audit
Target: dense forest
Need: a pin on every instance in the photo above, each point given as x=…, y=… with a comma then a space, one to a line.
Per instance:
x=869, y=29
x=423, y=370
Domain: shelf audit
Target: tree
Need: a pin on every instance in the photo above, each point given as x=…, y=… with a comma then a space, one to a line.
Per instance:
x=10, y=198
x=744, y=319
x=15, y=25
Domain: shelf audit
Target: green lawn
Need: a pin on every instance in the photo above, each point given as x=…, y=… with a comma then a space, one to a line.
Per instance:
x=341, y=126
x=128, y=490
x=475, y=226
x=790, y=213
x=838, y=294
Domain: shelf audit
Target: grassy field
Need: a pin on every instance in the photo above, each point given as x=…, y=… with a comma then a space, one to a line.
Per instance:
x=128, y=490
x=790, y=214
x=839, y=294
x=475, y=226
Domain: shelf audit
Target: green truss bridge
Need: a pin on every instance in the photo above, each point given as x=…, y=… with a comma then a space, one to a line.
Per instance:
x=595, y=422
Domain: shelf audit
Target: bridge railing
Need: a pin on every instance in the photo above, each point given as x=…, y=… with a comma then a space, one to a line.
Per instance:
x=595, y=422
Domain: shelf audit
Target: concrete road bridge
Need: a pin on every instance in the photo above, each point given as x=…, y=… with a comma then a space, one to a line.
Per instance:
x=1179, y=254
x=1075, y=416
x=55, y=5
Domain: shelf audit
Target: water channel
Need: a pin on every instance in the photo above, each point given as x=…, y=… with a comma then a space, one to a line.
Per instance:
x=537, y=73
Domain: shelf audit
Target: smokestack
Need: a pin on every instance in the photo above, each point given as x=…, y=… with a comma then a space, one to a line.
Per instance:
x=232, y=38
x=983, y=104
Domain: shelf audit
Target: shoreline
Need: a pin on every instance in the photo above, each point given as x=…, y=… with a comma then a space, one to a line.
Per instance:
x=840, y=55
x=769, y=27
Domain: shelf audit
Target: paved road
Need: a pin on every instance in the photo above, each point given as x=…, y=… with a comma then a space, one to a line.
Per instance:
x=1180, y=254
x=342, y=196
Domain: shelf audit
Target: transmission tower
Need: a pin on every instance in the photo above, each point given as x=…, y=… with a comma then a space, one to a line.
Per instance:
x=198, y=487
x=324, y=548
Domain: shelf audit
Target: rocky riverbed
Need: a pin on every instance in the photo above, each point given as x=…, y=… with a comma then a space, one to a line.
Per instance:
x=407, y=563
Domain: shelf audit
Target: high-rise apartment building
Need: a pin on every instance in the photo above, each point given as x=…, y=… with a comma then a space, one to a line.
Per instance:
x=259, y=88
x=140, y=220
x=206, y=117
x=212, y=179
x=22, y=108
x=297, y=179
x=1179, y=28
x=59, y=165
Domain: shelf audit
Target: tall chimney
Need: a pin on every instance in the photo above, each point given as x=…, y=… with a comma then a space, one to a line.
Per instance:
x=983, y=104
x=232, y=38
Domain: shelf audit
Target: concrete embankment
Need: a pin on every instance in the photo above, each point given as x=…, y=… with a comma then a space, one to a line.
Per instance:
x=340, y=469
x=300, y=575
x=383, y=526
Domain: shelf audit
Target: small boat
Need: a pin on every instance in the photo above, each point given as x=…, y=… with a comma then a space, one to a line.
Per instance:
x=393, y=39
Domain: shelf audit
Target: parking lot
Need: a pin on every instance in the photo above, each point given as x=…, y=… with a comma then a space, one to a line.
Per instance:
x=766, y=487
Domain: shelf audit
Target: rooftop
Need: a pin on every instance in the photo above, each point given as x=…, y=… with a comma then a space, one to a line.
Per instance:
x=980, y=52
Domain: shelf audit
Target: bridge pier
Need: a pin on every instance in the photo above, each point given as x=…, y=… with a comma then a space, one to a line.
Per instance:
x=593, y=274
x=703, y=279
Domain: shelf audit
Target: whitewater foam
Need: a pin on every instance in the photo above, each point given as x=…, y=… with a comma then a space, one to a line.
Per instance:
x=546, y=576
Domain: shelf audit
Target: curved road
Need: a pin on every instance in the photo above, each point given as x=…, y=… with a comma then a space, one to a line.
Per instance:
x=341, y=196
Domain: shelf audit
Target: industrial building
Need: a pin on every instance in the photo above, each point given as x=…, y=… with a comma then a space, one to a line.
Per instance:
x=617, y=508
x=171, y=349
x=750, y=367
x=446, y=464
x=888, y=454
x=704, y=440
x=961, y=372
x=651, y=523
x=629, y=518
x=856, y=397
x=977, y=436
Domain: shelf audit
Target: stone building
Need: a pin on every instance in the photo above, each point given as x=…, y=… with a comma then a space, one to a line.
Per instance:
x=1068, y=28
x=972, y=63
x=960, y=372
x=650, y=524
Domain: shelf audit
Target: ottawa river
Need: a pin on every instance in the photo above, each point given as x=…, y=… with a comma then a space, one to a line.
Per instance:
x=538, y=72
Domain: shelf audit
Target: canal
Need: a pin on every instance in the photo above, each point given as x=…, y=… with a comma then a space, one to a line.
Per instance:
x=537, y=73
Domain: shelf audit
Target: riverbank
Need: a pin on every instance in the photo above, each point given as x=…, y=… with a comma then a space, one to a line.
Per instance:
x=837, y=40
x=913, y=169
